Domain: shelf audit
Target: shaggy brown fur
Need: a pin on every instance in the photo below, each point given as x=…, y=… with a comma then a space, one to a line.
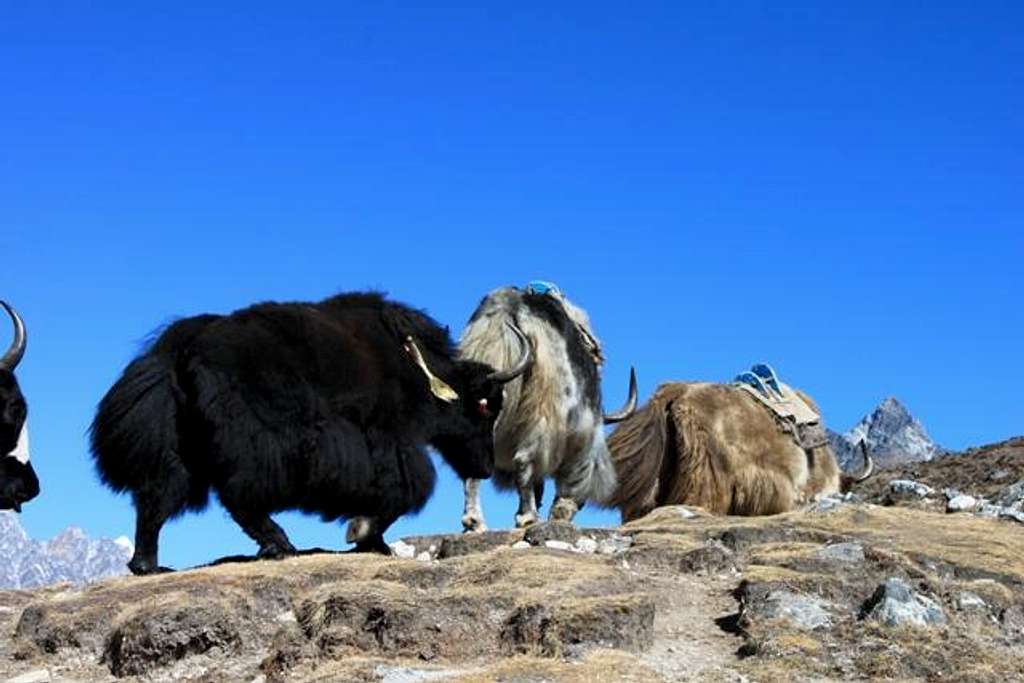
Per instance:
x=714, y=446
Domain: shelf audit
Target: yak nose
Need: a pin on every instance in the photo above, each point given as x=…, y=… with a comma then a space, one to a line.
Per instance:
x=25, y=496
x=24, y=491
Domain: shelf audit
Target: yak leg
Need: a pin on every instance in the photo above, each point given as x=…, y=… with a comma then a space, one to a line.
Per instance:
x=564, y=507
x=538, y=494
x=473, y=514
x=151, y=511
x=415, y=483
x=368, y=535
x=273, y=541
x=527, y=514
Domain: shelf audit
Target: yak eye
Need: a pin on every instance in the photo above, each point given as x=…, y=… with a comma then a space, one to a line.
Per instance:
x=483, y=408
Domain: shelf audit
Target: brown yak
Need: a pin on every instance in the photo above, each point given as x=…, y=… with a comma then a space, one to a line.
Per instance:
x=716, y=447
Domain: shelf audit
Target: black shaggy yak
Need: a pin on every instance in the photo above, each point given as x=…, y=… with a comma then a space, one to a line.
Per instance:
x=323, y=407
x=18, y=481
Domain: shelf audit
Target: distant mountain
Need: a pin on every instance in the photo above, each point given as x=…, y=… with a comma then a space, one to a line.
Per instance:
x=893, y=436
x=69, y=556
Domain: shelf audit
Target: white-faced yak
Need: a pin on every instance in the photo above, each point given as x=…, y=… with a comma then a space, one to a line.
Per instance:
x=551, y=423
x=717, y=447
x=323, y=407
x=18, y=481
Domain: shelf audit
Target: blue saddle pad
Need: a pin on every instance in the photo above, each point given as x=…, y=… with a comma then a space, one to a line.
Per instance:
x=754, y=381
x=763, y=378
x=766, y=373
x=542, y=287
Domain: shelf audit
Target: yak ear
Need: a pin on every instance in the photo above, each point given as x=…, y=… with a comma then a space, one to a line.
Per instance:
x=438, y=387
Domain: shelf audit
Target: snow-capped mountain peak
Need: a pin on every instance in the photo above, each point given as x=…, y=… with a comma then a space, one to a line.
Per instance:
x=126, y=543
x=892, y=435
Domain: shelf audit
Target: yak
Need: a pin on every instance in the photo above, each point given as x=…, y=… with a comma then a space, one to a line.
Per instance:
x=716, y=447
x=324, y=407
x=18, y=481
x=551, y=423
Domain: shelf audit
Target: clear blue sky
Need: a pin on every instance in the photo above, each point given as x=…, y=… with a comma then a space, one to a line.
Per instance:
x=837, y=191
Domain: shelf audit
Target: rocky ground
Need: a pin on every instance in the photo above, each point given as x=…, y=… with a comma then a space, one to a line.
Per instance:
x=984, y=472
x=888, y=586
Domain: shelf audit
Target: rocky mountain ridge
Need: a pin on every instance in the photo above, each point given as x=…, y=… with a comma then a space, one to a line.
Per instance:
x=70, y=556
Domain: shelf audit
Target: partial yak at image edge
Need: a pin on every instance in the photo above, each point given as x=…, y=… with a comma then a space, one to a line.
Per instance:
x=18, y=481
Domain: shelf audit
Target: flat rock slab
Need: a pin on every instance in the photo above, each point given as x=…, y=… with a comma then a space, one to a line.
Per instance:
x=762, y=602
x=852, y=553
x=542, y=532
x=458, y=545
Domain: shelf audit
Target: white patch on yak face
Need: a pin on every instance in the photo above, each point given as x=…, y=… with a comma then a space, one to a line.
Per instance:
x=20, y=451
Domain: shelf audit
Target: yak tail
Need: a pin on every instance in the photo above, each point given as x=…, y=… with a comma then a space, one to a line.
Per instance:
x=603, y=478
x=134, y=436
x=135, y=425
x=637, y=450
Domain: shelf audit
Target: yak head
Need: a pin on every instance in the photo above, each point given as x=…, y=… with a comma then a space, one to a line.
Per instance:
x=469, y=407
x=18, y=481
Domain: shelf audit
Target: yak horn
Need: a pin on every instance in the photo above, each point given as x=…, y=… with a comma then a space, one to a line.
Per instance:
x=524, y=362
x=869, y=464
x=630, y=407
x=438, y=387
x=17, y=350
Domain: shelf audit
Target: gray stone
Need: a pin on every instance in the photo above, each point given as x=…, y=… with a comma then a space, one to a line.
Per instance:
x=458, y=545
x=1012, y=621
x=405, y=674
x=801, y=611
x=852, y=553
x=403, y=550
x=557, y=545
x=521, y=545
x=909, y=489
x=541, y=532
x=989, y=510
x=967, y=601
x=712, y=558
x=613, y=544
x=961, y=503
x=825, y=505
x=37, y=676
x=1012, y=496
x=999, y=475
x=586, y=545
x=897, y=604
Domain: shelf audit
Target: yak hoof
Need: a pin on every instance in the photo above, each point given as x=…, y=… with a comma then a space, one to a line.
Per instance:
x=471, y=524
x=359, y=528
x=374, y=544
x=525, y=520
x=564, y=509
x=276, y=552
x=142, y=568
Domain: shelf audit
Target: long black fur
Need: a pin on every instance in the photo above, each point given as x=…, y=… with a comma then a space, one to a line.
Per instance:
x=308, y=406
